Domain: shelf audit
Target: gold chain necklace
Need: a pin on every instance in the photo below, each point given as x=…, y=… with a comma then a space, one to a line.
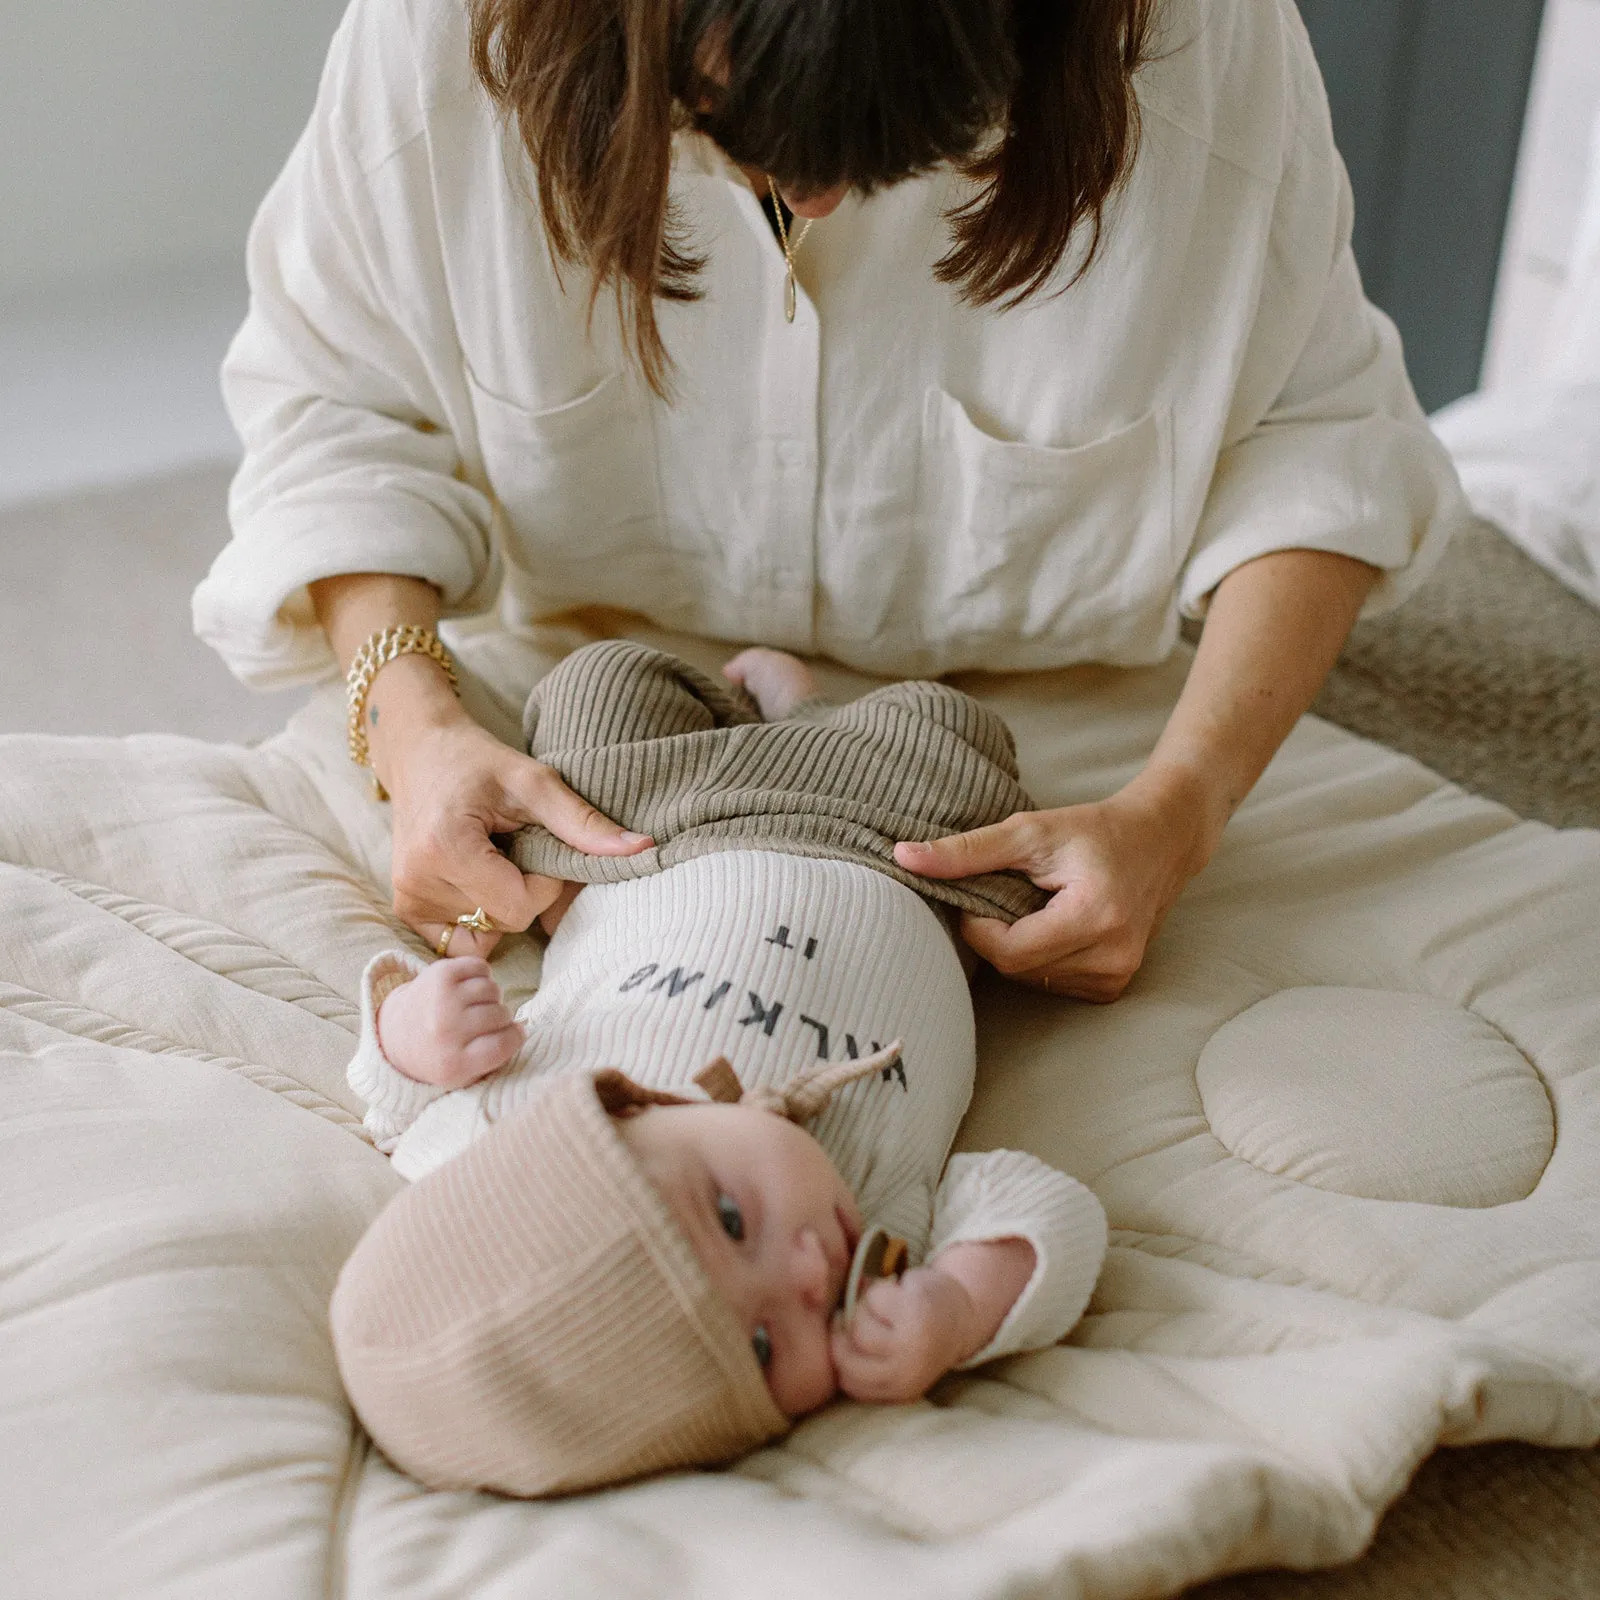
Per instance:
x=790, y=295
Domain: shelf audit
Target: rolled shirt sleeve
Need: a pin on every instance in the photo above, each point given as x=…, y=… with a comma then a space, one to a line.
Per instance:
x=1006, y=1194
x=344, y=381
x=1326, y=446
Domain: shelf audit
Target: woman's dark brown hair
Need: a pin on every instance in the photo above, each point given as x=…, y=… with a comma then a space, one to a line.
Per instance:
x=1031, y=99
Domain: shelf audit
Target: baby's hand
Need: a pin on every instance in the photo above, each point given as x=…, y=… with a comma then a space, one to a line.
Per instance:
x=450, y=1026
x=904, y=1337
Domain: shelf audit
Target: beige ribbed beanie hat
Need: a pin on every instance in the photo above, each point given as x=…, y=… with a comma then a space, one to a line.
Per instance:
x=530, y=1319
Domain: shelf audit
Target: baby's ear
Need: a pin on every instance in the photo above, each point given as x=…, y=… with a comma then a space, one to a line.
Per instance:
x=620, y=1096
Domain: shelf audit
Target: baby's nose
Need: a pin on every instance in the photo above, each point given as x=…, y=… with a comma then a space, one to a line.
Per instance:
x=812, y=1275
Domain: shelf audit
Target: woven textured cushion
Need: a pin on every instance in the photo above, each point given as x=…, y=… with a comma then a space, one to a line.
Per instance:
x=1490, y=674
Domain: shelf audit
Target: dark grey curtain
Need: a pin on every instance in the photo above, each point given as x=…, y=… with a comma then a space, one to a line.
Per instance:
x=1428, y=99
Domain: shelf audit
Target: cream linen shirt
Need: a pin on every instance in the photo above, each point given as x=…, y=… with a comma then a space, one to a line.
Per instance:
x=897, y=480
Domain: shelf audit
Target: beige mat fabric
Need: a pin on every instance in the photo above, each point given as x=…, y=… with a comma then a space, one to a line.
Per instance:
x=1282, y=1334
x=1491, y=675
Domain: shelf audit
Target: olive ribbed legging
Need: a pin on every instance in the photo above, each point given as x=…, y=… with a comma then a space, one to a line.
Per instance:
x=666, y=750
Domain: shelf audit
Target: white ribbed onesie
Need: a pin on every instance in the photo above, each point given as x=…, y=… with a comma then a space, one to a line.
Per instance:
x=776, y=962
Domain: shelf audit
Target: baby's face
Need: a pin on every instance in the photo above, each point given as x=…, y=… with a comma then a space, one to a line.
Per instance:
x=774, y=1226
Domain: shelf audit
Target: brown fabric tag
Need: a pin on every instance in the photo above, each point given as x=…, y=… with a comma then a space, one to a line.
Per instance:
x=721, y=1082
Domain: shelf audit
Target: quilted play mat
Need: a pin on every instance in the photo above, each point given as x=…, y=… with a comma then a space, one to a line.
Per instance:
x=1346, y=1126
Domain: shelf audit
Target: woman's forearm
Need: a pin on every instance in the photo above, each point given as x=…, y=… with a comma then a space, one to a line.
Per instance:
x=412, y=691
x=355, y=605
x=1274, y=630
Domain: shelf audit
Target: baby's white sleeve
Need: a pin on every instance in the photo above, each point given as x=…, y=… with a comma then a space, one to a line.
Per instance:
x=1005, y=1194
x=394, y=1101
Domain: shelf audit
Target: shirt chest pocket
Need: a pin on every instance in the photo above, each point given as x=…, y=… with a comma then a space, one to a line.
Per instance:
x=576, y=483
x=1028, y=544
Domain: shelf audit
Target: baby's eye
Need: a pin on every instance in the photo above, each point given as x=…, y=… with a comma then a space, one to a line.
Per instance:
x=761, y=1343
x=731, y=1217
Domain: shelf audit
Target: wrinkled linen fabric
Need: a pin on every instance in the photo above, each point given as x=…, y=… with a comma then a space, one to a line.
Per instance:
x=1345, y=1125
x=896, y=480
x=1529, y=458
x=1573, y=344
x=1529, y=453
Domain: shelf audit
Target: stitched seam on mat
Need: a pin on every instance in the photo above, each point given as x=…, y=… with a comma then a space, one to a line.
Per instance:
x=1241, y=1266
x=104, y=1029
x=1233, y=1425
x=336, y=1007
x=863, y=1499
x=258, y=802
x=1065, y=1410
x=1504, y=1030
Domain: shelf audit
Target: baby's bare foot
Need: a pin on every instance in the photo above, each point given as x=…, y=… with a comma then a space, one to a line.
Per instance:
x=776, y=681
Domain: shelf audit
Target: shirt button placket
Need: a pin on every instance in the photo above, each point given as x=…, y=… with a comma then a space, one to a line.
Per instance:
x=797, y=462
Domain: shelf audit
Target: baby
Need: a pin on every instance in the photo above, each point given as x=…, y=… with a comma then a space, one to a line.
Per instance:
x=599, y=1272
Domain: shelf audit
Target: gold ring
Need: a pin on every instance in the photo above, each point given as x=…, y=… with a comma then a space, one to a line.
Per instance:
x=477, y=922
x=442, y=944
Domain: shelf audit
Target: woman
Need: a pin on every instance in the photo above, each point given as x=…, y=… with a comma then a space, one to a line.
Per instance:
x=1065, y=340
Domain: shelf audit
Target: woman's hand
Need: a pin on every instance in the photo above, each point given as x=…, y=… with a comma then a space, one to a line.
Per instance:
x=1274, y=628
x=452, y=785
x=1116, y=867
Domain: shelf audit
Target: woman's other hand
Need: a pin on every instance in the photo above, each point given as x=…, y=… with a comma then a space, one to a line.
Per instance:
x=1274, y=628
x=1116, y=867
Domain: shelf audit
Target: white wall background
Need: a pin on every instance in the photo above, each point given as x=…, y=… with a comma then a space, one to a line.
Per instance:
x=136, y=137
x=136, y=140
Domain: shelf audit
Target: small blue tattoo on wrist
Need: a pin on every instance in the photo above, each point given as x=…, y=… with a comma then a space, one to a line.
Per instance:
x=373, y=715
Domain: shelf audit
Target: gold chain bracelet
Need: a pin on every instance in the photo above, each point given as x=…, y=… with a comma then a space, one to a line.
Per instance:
x=379, y=650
